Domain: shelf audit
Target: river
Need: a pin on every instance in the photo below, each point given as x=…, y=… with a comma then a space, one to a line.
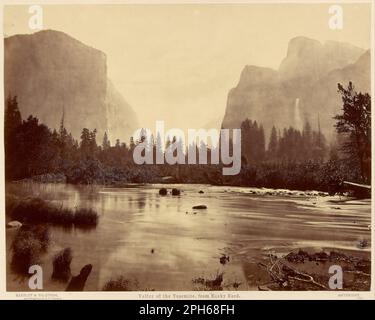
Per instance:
x=161, y=243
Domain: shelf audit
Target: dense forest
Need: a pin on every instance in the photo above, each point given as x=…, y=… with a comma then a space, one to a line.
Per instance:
x=292, y=158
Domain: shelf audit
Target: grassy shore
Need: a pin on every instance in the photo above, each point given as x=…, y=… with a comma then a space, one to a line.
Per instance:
x=36, y=210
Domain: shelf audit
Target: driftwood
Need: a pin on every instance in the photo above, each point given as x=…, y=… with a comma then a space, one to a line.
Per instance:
x=358, y=272
x=358, y=185
x=281, y=274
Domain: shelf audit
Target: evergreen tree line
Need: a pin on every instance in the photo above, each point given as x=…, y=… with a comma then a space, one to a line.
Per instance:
x=32, y=149
x=291, y=146
x=292, y=159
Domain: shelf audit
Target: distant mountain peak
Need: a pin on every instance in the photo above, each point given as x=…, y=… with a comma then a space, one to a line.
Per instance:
x=50, y=70
x=310, y=58
x=308, y=75
x=253, y=74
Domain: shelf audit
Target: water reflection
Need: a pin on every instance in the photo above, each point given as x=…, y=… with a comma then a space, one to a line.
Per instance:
x=164, y=244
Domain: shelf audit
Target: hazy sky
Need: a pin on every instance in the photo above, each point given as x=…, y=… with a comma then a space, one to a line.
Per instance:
x=178, y=62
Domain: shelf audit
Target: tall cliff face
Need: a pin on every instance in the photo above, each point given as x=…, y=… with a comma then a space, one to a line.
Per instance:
x=121, y=118
x=304, y=87
x=309, y=59
x=50, y=71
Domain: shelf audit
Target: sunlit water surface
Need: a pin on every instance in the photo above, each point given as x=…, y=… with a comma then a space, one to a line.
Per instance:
x=187, y=243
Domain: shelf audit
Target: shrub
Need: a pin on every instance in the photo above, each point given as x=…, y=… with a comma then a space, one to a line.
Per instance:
x=29, y=243
x=89, y=171
x=61, y=265
x=31, y=210
x=214, y=284
x=118, y=284
x=36, y=210
x=85, y=216
x=49, y=178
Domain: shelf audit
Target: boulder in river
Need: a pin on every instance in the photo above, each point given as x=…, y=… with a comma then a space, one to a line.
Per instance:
x=176, y=192
x=201, y=206
x=14, y=224
x=163, y=192
x=224, y=259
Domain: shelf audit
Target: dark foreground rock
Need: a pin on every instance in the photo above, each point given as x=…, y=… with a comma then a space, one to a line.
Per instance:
x=78, y=283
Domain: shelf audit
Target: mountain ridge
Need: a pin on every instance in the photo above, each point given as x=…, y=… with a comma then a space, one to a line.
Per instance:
x=303, y=88
x=52, y=72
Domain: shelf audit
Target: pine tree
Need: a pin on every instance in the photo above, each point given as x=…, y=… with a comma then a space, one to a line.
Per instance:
x=355, y=123
x=106, y=143
x=12, y=126
x=273, y=145
x=12, y=118
x=131, y=144
x=307, y=141
x=261, y=144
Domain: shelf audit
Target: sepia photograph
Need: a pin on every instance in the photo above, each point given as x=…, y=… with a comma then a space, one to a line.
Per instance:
x=187, y=147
